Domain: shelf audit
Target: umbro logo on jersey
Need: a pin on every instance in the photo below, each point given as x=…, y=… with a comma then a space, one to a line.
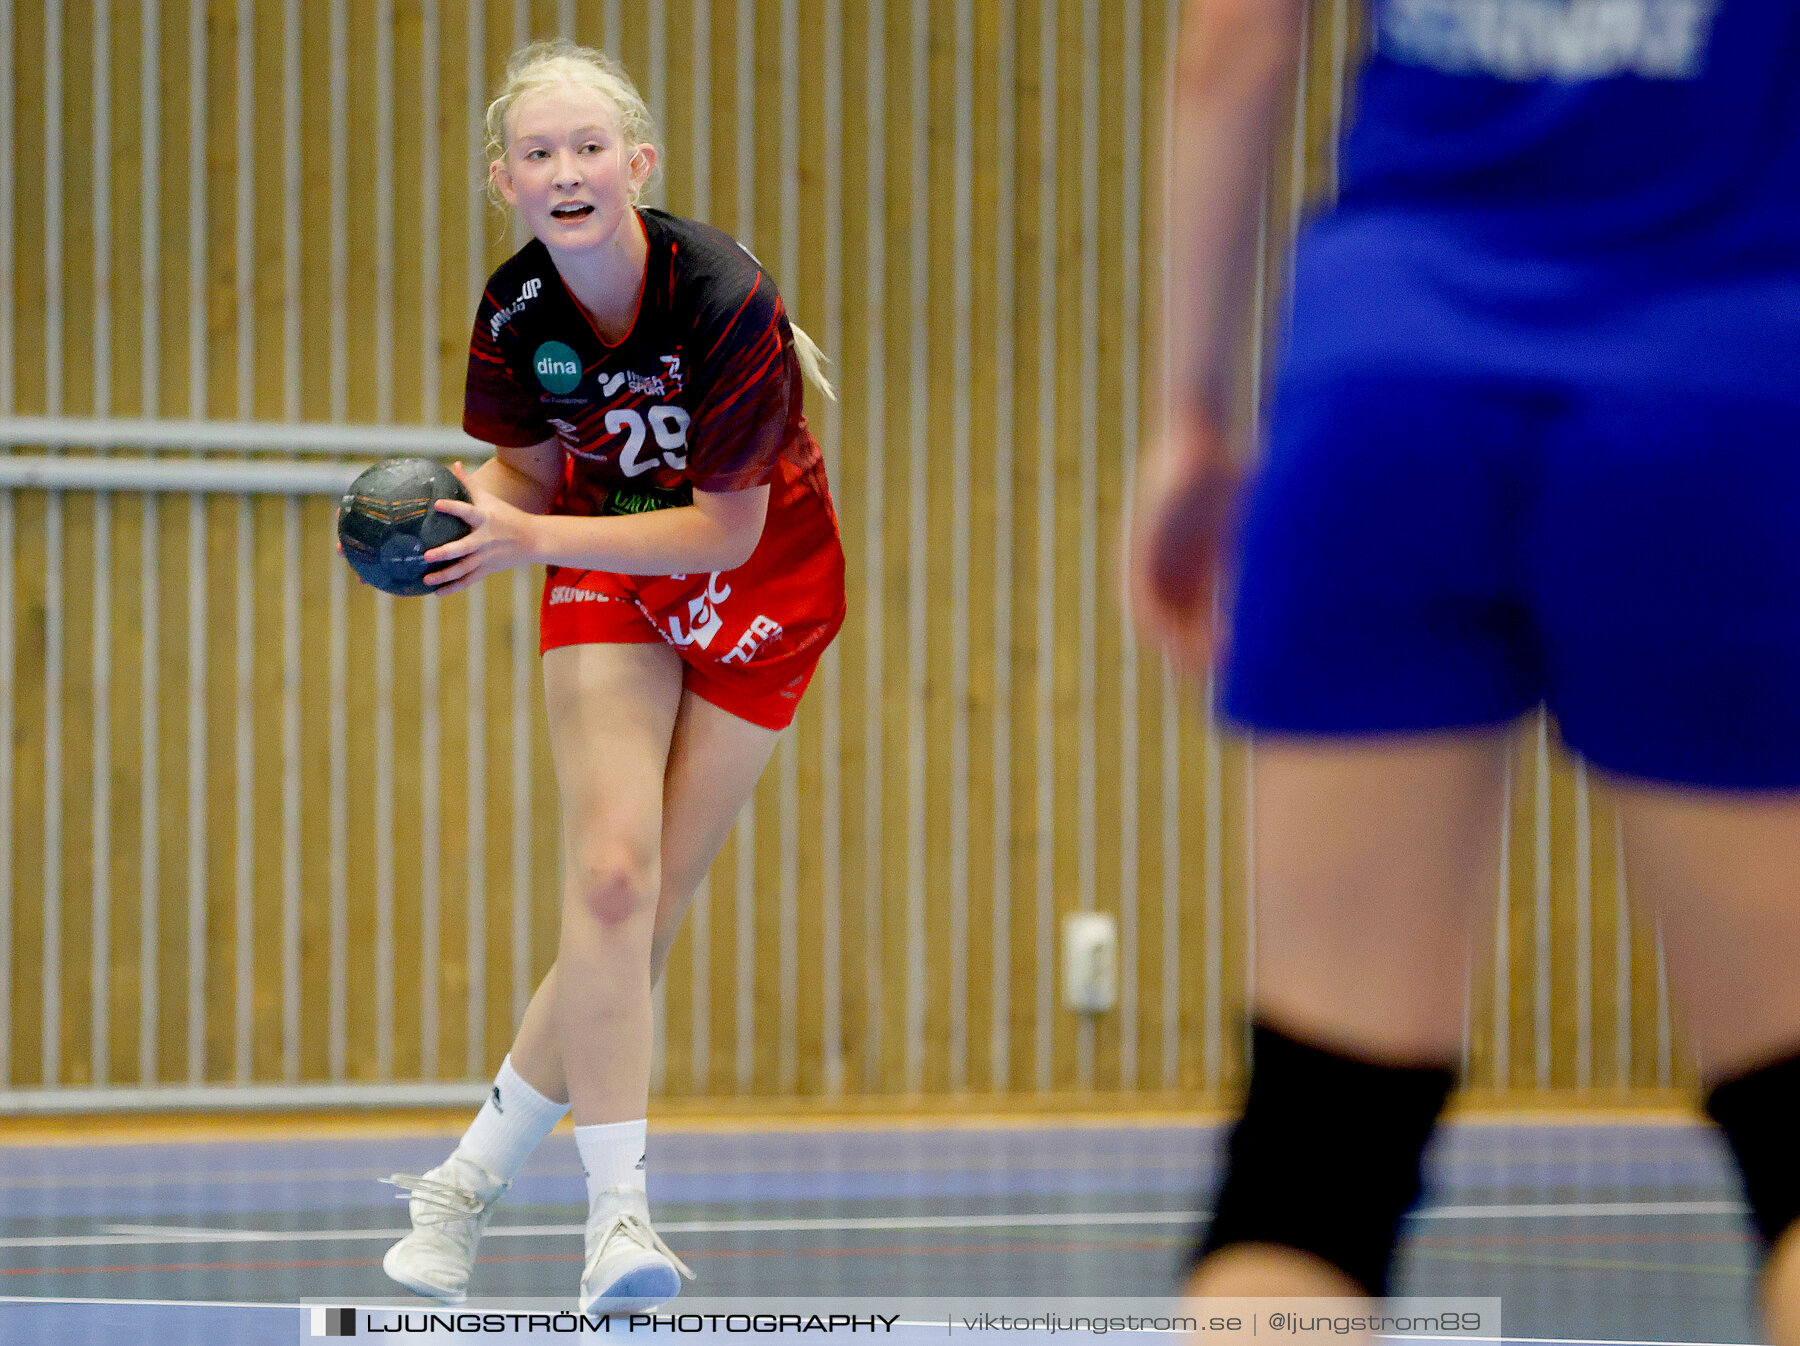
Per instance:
x=557, y=367
x=1551, y=39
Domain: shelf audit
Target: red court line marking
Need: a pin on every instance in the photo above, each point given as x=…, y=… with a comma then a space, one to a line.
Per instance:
x=1143, y=1245
x=189, y=1266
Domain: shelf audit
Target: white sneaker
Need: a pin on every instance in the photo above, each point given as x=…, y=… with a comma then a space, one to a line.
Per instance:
x=450, y=1206
x=629, y=1268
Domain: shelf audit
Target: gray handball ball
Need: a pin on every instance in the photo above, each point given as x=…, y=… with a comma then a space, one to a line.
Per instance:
x=386, y=522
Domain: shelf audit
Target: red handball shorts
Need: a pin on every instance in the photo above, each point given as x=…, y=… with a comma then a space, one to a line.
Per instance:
x=749, y=638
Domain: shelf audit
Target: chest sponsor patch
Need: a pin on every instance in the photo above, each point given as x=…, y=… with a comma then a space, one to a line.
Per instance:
x=643, y=498
x=558, y=367
x=1551, y=39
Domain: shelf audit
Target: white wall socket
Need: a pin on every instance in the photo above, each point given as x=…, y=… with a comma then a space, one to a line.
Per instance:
x=1090, y=962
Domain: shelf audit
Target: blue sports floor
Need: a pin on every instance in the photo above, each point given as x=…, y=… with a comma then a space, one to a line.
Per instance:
x=1586, y=1231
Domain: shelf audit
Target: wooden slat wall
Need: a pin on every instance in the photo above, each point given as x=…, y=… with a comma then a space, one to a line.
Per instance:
x=297, y=827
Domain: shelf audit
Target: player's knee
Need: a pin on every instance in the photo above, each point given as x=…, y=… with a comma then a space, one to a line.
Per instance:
x=615, y=883
x=1327, y=1156
x=1758, y=1112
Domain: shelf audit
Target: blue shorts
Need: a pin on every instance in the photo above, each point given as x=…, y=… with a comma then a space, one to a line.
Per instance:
x=1425, y=552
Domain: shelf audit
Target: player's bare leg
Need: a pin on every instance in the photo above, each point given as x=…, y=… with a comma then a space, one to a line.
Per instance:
x=677, y=772
x=1722, y=873
x=714, y=764
x=612, y=712
x=715, y=760
x=537, y=1047
x=1373, y=864
x=1781, y=1291
x=1373, y=860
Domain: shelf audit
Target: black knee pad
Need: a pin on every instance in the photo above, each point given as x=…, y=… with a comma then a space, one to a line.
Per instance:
x=1759, y=1112
x=1326, y=1157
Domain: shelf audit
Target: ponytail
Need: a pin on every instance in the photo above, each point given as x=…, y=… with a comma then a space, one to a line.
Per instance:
x=812, y=361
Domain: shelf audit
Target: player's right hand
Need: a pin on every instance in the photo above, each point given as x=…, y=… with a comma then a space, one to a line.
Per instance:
x=1177, y=533
x=499, y=538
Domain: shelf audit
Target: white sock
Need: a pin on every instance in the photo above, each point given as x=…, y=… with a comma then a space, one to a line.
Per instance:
x=511, y=1124
x=612, y=1156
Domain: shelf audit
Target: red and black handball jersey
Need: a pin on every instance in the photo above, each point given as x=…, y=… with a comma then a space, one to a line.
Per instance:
x=705, y=390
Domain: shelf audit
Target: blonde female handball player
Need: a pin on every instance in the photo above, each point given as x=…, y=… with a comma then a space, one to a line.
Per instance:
x=641, y=384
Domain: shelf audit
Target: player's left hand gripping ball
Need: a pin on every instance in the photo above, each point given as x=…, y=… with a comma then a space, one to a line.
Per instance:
x=389, y=519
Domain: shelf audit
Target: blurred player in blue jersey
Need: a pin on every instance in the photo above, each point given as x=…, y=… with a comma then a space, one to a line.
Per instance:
x=1536, y=439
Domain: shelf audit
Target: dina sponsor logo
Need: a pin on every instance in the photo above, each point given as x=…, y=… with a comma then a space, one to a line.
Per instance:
x=557, y=367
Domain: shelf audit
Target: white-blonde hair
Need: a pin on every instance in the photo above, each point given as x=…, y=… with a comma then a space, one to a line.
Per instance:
x=553, y=64
x=558, y=61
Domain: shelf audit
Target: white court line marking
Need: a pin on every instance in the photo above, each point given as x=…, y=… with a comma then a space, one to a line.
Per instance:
x=158, y=1233
x=126, y=1235
x=255, y=1177
x=161, y=1303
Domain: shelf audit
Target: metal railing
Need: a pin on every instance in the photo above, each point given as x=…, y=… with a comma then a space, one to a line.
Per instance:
x=242, y=770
